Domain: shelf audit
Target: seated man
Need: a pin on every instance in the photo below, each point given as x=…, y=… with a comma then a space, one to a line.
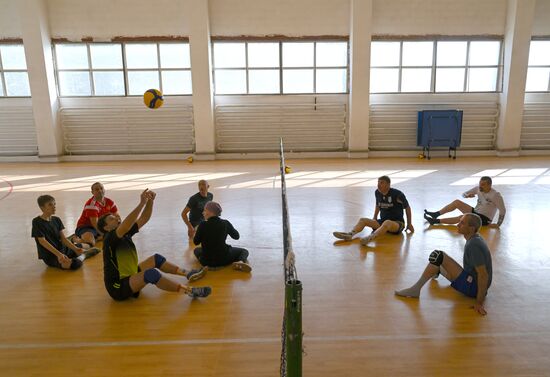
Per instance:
x=474, y=279
x=123, y=276
x=97, y=206
x=52, y=245
x=195, y=206
x=488, y=202
x=390, y=203
x=211, y=234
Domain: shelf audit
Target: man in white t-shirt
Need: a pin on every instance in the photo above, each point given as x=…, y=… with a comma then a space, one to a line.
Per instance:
x=488, y=202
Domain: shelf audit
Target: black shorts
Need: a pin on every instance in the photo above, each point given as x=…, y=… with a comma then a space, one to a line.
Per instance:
x=52, y=261
x=120, y=290
x=484, y=219
x=398, y=231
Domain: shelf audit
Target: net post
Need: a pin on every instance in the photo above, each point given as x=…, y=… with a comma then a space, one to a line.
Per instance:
x=293, y=312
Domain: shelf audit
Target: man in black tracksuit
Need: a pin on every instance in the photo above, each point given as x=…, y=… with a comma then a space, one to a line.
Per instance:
x=211, y=234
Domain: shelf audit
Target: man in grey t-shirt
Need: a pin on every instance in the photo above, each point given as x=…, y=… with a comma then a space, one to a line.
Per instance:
x=474, y=279
x=489, y=201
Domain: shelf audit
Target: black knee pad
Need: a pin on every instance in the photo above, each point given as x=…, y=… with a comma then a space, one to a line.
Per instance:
x=436, y=257
x=159, y=260
x=151, y=276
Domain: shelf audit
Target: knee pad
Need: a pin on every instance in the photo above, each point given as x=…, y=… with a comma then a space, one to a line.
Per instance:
x=159, y=260
x=76, y=264
x=436, y=257
x=151, y=276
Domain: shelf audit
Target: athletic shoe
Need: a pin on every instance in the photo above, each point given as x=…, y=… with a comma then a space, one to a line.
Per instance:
x=343, y=235
x=431, y=214
x=242, y=266
x=431, y=220
x=200, y=292
x=196, y=274
x=91, y=252
x=365, y=240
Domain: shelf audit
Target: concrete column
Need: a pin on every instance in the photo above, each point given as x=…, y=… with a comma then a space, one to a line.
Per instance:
x=38, y=50
x=360, y=39
x=201, y=73
x=519, y=24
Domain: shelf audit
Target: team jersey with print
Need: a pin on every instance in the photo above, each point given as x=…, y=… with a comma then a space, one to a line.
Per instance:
x=93, y=208
x=391, y=205
x=120, y=257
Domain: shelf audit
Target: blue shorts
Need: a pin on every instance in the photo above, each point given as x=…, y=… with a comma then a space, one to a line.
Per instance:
x=86, y=229
x=465, y=284
x=401, y=225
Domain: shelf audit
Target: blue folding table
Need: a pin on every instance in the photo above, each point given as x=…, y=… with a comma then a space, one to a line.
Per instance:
x=439, y=128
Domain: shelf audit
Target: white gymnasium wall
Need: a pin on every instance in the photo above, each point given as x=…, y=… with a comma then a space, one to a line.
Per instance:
x=105, y=19
x=447, y=17
x=281, y=17
x=9, y=20
x=541, y=25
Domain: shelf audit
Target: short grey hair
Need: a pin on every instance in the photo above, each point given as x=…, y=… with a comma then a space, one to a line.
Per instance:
x=473, y=220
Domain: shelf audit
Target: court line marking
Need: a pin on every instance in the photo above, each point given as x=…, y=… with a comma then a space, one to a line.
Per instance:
x=10, y=189
x=307, y=339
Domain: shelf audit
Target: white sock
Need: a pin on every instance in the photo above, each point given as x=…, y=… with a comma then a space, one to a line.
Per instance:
x=81, y=257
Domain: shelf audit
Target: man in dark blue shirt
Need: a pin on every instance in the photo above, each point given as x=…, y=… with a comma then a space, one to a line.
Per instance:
x=474, y=279
x=390, y=204
x=195, y=207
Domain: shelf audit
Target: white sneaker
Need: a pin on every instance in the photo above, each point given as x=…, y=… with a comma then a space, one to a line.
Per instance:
x=343, y=235
x=365, y=240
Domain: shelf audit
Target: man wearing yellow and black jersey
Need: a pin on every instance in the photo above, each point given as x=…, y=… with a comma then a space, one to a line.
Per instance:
x=124, y=277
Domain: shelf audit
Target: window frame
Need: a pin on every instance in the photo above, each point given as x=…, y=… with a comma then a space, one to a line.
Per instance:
x=280, y=68
x=433, y=84
x=125, y=70
x=535, y=39
x=3, y=85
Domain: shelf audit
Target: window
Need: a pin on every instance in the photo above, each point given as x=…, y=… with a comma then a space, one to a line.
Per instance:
x=14, y=79
x=435, y=66
x=538, y=71
x=280, y=67
x=120, y=69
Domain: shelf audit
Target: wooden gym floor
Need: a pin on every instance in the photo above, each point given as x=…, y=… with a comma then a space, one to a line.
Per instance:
x=57, y=323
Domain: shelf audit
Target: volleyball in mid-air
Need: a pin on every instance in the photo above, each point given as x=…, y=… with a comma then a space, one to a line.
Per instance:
x=152, y=98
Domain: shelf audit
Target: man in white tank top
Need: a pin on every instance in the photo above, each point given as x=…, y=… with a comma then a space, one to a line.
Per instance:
x=488, y=202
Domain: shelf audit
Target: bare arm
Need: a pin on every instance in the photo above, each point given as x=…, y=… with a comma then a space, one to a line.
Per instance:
x=501, y=209
x=48, y=246
x=409, y=218
x=93, y=221
x=185, y=218
x=376, y=211
x=129, y=221
x=482, y=286
x=147, y=212
x=470, y=193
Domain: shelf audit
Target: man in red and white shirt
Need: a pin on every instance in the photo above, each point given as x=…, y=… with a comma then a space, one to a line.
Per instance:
x=97, y=206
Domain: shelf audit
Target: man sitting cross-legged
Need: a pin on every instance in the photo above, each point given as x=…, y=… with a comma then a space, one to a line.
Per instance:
x=123, y=276
x=211, y=234
x=474, y=279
